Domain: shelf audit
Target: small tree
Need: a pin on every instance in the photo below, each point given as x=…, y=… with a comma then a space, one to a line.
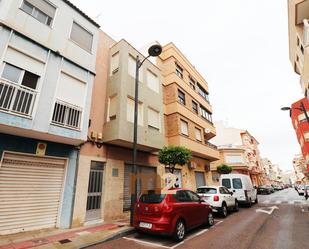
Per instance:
x=224, y=169
x=170, y=156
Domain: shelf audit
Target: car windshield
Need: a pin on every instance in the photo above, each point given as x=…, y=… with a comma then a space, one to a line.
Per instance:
x=237, y=183
x=226, y=183
x=206, y=190
x=152, y=198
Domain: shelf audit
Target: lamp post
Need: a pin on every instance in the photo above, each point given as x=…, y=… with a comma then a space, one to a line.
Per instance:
x=300, y=108
x=154, y=51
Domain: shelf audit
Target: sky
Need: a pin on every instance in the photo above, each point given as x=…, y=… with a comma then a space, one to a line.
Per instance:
x=241, y=49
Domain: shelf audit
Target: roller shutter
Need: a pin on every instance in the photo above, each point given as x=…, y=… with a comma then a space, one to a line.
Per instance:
x=148, y=184
x=200, y=179
x=30, y=192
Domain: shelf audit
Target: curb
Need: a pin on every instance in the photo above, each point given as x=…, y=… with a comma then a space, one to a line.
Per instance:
x=117, y=235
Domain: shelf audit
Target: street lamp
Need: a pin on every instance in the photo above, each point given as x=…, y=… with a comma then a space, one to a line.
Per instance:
x=300, y=108
x=153, y=51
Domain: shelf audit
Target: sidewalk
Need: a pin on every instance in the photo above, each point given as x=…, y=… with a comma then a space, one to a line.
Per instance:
x=65, y=238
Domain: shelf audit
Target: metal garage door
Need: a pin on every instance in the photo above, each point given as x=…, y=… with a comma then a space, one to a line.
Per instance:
x=30, y=192
x=149, y=184
x=200, y=179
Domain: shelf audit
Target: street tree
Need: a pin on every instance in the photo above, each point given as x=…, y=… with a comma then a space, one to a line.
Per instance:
x=171, y=156
x=224, y=169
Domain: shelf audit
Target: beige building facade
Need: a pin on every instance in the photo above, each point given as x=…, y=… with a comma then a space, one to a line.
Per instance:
x=298, y=11
x=187, y=116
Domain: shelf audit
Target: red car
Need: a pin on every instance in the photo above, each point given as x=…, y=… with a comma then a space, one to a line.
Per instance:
x=171, y=214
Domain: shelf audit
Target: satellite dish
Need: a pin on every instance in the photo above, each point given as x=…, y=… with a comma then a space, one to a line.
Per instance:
x=207, y=130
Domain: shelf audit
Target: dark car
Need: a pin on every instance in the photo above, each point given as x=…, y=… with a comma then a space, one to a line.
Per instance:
x=171, y=214
x=264, y=189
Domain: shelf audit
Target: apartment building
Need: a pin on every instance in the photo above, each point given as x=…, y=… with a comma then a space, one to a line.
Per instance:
x=187, y=115
x=108, y=154
x=301, y=127
x=47, y=67
x=298, y=25
x=238, y=144
x=300, y=169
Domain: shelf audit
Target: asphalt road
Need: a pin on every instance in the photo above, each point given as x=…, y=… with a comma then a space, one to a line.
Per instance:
x=279, y=221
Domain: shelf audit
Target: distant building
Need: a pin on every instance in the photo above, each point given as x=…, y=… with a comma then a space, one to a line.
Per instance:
x=239, y=149
x=300, y=169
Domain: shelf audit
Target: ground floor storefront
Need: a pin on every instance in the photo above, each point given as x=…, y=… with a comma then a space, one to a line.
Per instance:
x=105, y=181
x=37, y=183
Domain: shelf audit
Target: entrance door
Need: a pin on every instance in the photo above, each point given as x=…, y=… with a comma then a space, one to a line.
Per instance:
x=94, y=199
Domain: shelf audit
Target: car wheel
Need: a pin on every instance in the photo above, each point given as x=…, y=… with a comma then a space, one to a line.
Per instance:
x=210, y=219
x=236, y=207
x=224, y=210
x=180, y=230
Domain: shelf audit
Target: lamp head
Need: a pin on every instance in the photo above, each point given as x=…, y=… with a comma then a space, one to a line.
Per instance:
x=285, y=108
x=155, y=50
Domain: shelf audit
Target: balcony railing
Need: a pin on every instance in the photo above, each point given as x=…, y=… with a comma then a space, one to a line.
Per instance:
x=67, y=115
x=211, y=145
x=16, y=98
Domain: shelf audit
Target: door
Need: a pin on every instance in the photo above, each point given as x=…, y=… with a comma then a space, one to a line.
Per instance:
x=200, y=179
x=230, y=200
x=95, y=186
x=146, y=182
x=197, y=211
x=30, y=192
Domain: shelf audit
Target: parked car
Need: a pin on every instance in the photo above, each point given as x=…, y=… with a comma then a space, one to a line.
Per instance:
x=302, y=188
x=242, y=187
x=265, y=189
x=277, y=187
x=172, y=214
x=219, y=198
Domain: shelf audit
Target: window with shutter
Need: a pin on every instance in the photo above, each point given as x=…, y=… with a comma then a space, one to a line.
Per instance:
x=130, y=112
x=112, y=107
x=152, y=81
x=184, y=127
x=81, y=37
x=154, y=118
x=198, y=134
x=114, y=63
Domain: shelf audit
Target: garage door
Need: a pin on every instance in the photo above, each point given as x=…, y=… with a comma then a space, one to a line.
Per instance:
x=30, y=192
x=200, y=179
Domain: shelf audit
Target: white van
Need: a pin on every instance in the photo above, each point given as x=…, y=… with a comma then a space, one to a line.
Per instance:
x=241, y=186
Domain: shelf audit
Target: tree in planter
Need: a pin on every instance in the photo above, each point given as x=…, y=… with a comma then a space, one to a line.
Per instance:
x=170, y=156
x=224, y=169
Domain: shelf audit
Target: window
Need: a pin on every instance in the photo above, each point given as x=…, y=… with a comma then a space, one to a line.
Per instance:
x=226, y=183
x=81, y=36
x=206, y=114
x=237, y=183
x=198, y=134
x=192, y=83
x=207, y=190
x=234, y=159
x=132, y=68
x=41, y=10
x=194, y=107
x=114, y=63
x=152, y=81
x=154, y=118
x=181, y=97
x=182, y=196
x=112, y=108
x=17, y=92
x=152, y=198
x=130, y=112
x=67, y=115
x=193, y=196
x=184, y=127
x=298, y=41
x=202, y=92
x=179, y=71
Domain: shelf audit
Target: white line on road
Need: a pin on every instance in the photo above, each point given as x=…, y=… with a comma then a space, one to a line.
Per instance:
x=267, y=201
x=278, y=202
x=261, y=210
x=218, y=223
x=146, y=242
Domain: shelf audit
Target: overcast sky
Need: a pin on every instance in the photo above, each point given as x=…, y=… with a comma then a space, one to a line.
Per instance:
x=239, y=46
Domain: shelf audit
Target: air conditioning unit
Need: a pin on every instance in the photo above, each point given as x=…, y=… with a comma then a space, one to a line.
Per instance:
x=192, y=165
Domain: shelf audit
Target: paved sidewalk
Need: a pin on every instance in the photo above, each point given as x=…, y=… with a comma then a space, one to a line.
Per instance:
x=65, y=238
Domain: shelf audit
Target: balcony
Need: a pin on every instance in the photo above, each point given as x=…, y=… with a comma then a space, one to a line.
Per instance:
x=16, y=98
x=67, y=115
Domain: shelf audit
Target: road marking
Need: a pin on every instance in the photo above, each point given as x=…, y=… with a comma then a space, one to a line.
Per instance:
x=219, y=222
x=260, y=210
x=147, y=243
x=278, y=202
x=267, y=201
x=180, y=243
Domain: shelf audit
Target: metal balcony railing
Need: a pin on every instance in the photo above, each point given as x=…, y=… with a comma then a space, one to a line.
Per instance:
x=67, y=115
x=16, y=98
x=211, y=145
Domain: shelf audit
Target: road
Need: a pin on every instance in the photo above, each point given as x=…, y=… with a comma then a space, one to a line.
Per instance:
x=279, y=221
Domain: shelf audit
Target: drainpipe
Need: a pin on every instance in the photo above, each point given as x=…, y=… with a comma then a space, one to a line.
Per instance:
x=78, y=147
